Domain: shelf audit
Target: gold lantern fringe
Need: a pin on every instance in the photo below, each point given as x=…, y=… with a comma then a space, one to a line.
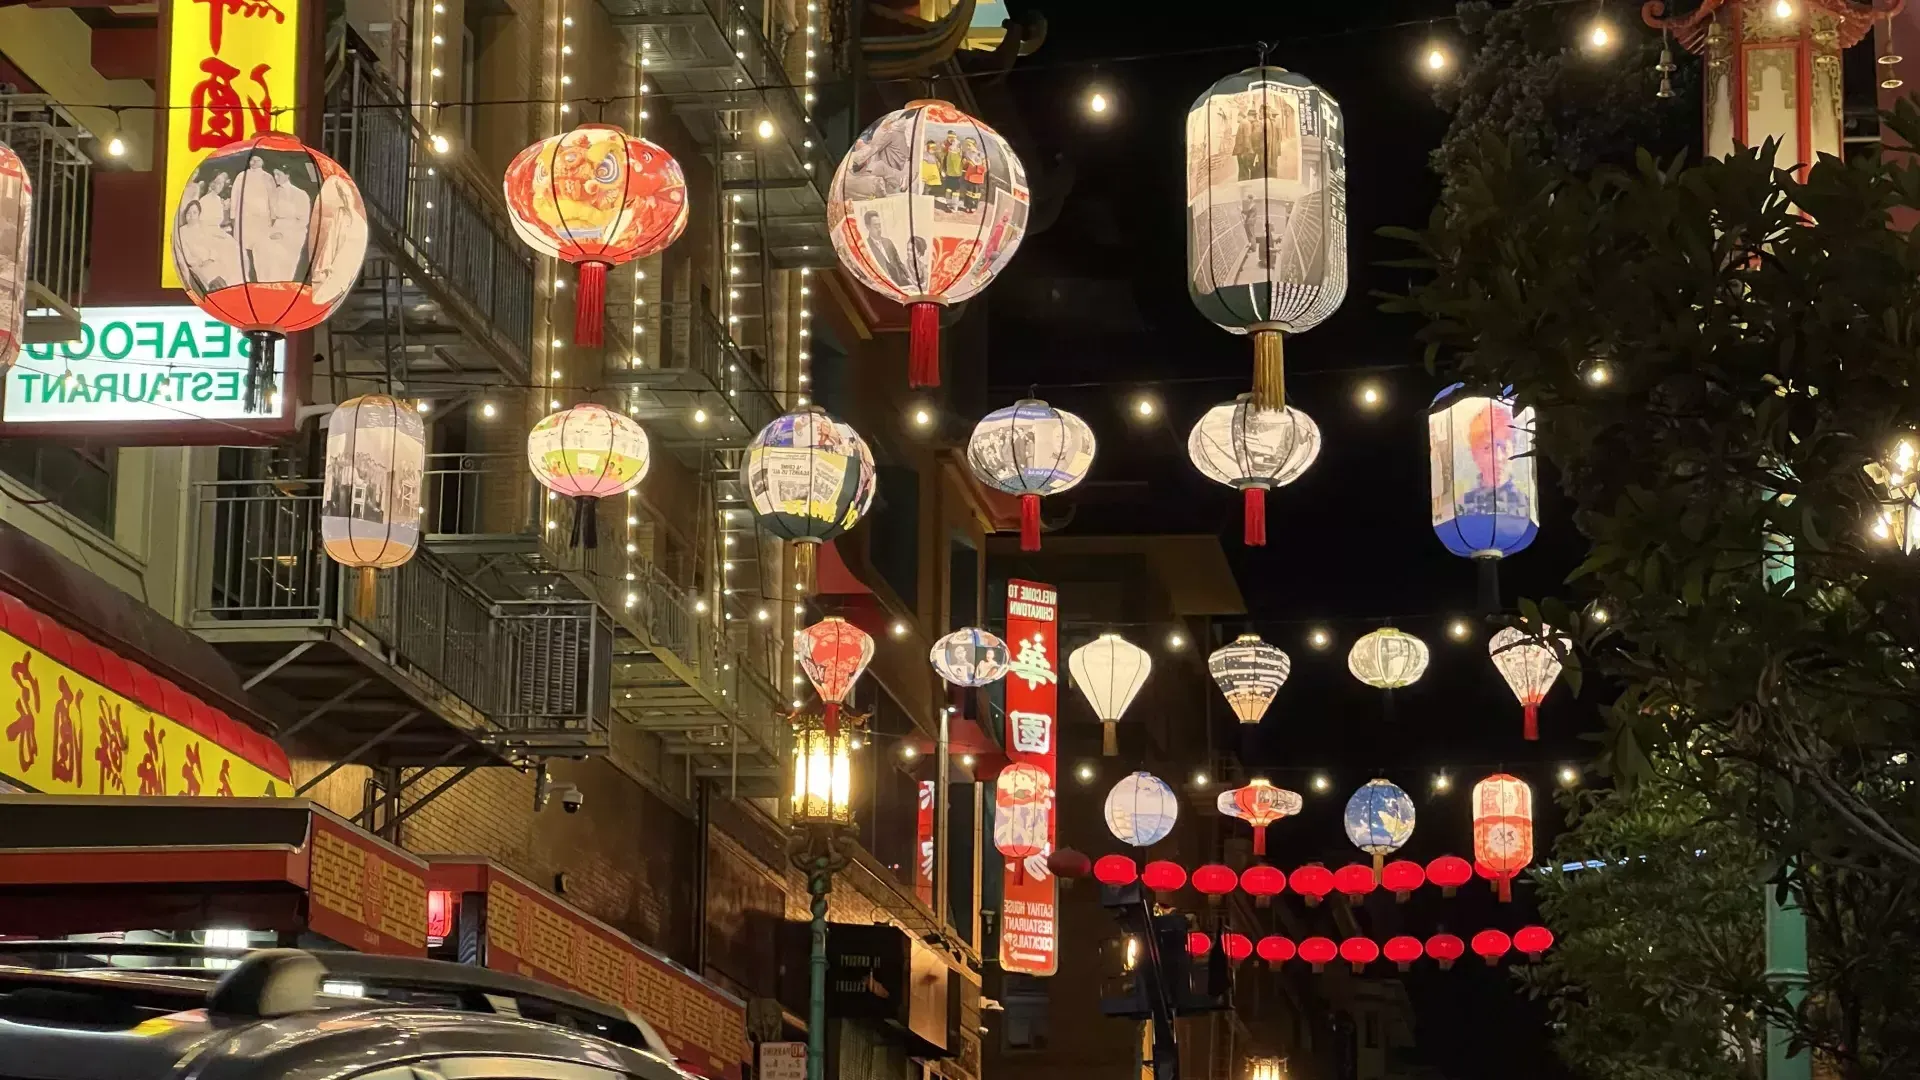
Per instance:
x=1269, y=371
x=805, y=573
x=365, y=596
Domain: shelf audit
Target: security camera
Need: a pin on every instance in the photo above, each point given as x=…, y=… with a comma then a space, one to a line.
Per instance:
x=545, y=788
x=570, y=799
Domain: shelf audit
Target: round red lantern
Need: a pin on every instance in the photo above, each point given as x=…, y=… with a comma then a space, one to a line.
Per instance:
x=1319, y=952
x=1401, y=877
x=1313, y=882
x=1068, y=864
x=1163, y=877
x=1502, y=830
x=1275, y=950
x=1359, y=952
x=595, y=197
x=1402, y=950
x=1449, y=872
x=1491, y=945
x=1446, y=949
x=1533, y=940
x=1215, y=881
x=1263, y=883
x=1199, y=944
x=1354, y=881
x=1237, y=946
x=1115, y=870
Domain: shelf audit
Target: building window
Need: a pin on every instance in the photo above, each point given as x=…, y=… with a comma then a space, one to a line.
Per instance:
x=78, y=480
x=1370, y=1030
x=1025, y=1022
x=894, y=544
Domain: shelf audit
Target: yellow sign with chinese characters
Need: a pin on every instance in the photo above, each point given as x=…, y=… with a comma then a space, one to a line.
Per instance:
x=62, y=733
x=233, y=72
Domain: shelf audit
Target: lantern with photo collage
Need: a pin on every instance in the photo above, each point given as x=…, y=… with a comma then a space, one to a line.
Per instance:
x=1253, y=449
x=1259, y=804
x=587, y=453
x=1249, y=673
x=809, y=478
x=595, y=197
x=1030, y=449
x=1388, y=659
x=1502, y=830
x=927, y=206
x=1022, y=807
x=16, y=233
x=370, y=497
x=970, y=657
x=268, y=237
x=1266, y=212
x=1109, y=672
x=833, y=652
x=1485, y=490
x=1529, y=663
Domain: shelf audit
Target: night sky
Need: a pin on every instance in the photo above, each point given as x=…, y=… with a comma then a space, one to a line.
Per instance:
x=1095, y=311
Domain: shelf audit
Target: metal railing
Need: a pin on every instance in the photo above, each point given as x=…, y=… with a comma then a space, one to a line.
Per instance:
x=48, y=140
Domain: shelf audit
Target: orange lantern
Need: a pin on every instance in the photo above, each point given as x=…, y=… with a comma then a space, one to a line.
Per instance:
x=1502, y=830
x=1259, y=804
x=833, y=652
x=595, y=197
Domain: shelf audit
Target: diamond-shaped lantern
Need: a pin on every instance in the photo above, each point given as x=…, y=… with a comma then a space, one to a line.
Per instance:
x=1109, y=670
x=1249, y=673
x=833, y=652
x=1530, y=663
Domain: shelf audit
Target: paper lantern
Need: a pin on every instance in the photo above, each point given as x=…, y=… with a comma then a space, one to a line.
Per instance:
x=1446, y=948
x=927, y=206
x=595, y=197
x=1319, y=951
x=1530, y=663
x=1254, y=450
x=1533, y=940
x=1266, y=212
x=1486, y=496
x=1022, y=807
x=810, y=478
x=1402, y=950
x=1141, y=810
x=370, y=499
x=1109, y=670
x=833, y=652
x=1449, y=872
x=1198, y=944
x=1115, y=870
x=1237, y=946
x=16, y=236
x=1379, y=819
x=1214, y=881
x=1162, y=878
x=1030, y=449
x=439, y=913
x=970, y=656
x=268, y=237
x=1401, y=877
x=1354, y=881
x=1259, y=804
x=1490, y=945
x=1502, y=830
x=1275, y=950
x=1359, y=952
x=1263, y=883
x=1388, y=659
x=1249, y=673
x=588, y=453
x=1312, y=881
x=1068, y=864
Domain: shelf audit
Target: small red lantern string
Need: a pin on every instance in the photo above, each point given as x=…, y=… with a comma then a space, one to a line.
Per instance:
x=1402, y=950
x=1401, y=877
x=1164, y=878
x=1115, y=870
x=1490, y=945
x=1533, y=940
x=1449, y=872
x=1312, y=881
x=1319, y=952
x=1359, y=952
x=1446, y=949
x=1199, y=944
x=1354, y=881
x=1237, y=947
x=1263, y=883
x=1215, y=881
x=1275, y=950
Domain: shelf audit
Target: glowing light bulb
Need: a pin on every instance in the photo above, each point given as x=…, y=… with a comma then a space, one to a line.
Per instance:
x=1097, y=103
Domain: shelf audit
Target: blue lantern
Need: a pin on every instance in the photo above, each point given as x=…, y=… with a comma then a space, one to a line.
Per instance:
x=1379, y=819
x=1141, y=810
x=1486, y=492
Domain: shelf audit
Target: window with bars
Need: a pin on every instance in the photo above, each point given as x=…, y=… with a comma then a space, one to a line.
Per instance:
x=79, y=480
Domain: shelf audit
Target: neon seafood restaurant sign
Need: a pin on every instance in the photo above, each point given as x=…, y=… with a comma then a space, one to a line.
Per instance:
x=138, y=364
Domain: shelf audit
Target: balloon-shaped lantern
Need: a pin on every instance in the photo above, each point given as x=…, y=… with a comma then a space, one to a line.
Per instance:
x=1359, y=952
x=268, y=237
x=588, y=453
x=16, y=233
x=1263, y=883
x=1022, y=804
x=1319, y=951
x=1530, y=663
x=1402, y=950
x=1115, y=870
x=1259, y=804
x=970, y=656
x=1379, y=819
x=1030, y=449
x=1313, y=882
x=1249, y=672
x=1446, y=948
x=1214, y=881
x=370, y=501
x=810, y=478
x=927, y=206
x=1388, y=659
x=833, y=652
x=1275, y=950
x=1237, y=946
x=1141, y=810
x=1486, y=495
x=1355, y=880
x=1266, y=212
x=1533, y=940
x=1109, y=670
x=1254, y=450
x=1163, y=877
x=1449, y=872
x=1401, y=877
x=596, y=197
x=1502, y=830
x=1490, y=945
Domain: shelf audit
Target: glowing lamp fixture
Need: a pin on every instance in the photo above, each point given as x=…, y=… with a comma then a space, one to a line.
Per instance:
x=1253, y=450
x=1029, y=450
x=1379, y=819
x=1388, y=659
x=1502, y=830
x=822, y=774
x=1259, y=804
x=587, y=453
x=439, y=912
x=809, y=478
x=1109, y=671
x=1249, y=673
x=1141, y=810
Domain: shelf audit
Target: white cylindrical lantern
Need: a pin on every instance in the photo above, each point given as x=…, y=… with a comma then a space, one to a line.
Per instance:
x=1388, y=659
x=1254, y=450
x=809, y=478
x=1030, y=449
x=1141, y=810
x=588, y=453
x=1109, y=670
x=1530, y=665
x=16, y=235
x=370, y=499
x=1249, y=673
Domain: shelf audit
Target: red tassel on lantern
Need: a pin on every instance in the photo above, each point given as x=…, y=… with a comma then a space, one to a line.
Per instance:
x=1029, y=522
x=831, y=718
x=1532, y=729
x=923, y=344
x=1254, y=516
x=588, y=309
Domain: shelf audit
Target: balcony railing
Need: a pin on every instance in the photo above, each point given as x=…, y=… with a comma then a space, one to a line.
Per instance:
x=48, y=141
x=700, y=367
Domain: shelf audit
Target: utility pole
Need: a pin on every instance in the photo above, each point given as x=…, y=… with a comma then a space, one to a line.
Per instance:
x=1786, y=968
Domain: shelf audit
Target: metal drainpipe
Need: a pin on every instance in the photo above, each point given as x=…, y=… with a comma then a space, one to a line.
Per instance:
x=703, y=830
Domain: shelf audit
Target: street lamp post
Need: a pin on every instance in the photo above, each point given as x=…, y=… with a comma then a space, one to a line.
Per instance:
x=822, y=813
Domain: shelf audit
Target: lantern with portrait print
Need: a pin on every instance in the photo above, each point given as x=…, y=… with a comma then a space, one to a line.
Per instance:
x=1502, y=830
x=370, y=498
x=1030, y=449
x=834, y=653
x=927, y=206
x=970, y=657
x=1254, y=450
x=16, y=234
x=809, y=478
x=1485, y=490
x=1249, y=673
x=595, y=197
x=268, y=237
x=587, y=453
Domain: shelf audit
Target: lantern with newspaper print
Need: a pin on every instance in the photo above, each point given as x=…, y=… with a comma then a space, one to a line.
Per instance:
x=1388, y=659
x=1109, y=671
x=1259, y=804
x=833, y=652
x=1254, y=450
x=1022, y=803
x=16, y=232
x=1485, y=490
x=596, y=197
x=927, y=206
x=370, y=498
x=1502, y=830
x=1249, y=673
x=1529, y=663
x=268, y=237
x=809, y=478
x=1030, y=449
x=1266, y=212
x=588, y=453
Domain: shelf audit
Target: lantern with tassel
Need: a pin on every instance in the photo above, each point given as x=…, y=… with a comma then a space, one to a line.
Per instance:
x=1254, y=450
x=1530, y=663
x=1502, y=830
x=1266, y=212
x=810, y=478
x=1486, y=493
x=595, y=197
x=1259, y=804
x=1030, y=449
x=833, y=652
x=927, y=206
x=588, y=453
x=1141, y=810
x=16, y=234
x=370, y=501
x=1109, y=670
x=1379, y=820
x=1022, y=807
x=1249, y=673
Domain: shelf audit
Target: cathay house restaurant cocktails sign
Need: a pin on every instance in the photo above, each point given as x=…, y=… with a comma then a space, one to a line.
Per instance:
x=138, y=365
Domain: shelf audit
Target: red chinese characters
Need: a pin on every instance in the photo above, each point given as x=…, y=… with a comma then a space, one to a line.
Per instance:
x=153, y=764
x=110, y=749
x=26, y=710
x=217, y=113
x=66, y=733
x=191, y=770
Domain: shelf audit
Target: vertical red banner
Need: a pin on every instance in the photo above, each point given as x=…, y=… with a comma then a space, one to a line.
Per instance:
x=923, y=845
x=1029, y=934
